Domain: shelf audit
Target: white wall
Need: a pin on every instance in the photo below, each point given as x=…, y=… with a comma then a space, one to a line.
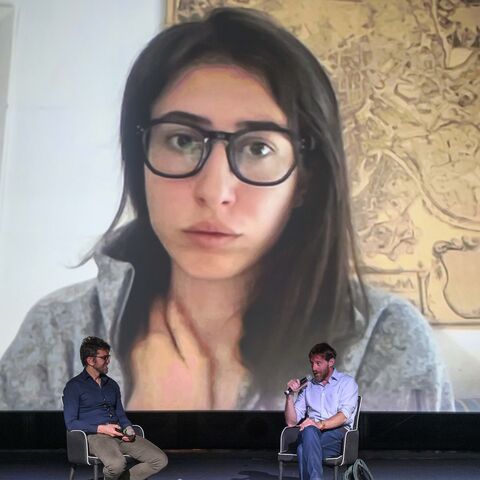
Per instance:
x=60, y=176
x=6, y=35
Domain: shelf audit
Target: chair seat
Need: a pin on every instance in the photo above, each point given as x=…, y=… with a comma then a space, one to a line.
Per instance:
x=333, y=461
x=292, y=457
x=96, y=461
x=287, y=457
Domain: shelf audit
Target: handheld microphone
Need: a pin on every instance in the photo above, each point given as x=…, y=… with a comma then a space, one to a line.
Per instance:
x=303, y=381
x=130, y=433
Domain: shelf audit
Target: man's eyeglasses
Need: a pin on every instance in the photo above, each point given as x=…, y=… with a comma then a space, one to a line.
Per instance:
x=263, y=155
x=105, y=358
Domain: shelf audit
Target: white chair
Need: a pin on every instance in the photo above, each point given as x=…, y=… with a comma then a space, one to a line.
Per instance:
x=78, y=453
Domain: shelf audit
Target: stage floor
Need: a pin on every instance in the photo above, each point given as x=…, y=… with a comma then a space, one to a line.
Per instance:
x=251, y=465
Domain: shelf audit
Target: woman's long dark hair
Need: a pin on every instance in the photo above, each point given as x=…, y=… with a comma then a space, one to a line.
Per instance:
x=303, y=294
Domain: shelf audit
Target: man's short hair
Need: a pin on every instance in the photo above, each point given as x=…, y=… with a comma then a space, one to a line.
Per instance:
x=90, y=346
x=324, y=350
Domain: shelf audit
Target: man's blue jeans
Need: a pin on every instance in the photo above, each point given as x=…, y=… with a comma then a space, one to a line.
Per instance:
x=315, y=445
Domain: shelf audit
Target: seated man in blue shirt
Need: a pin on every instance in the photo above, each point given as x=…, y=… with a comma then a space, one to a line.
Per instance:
x=92, y=403
x=325, y=406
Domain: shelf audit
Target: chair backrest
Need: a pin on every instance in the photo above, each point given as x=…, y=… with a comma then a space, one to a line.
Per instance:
x=352, y=438
x=138, y=430
x=357, y=413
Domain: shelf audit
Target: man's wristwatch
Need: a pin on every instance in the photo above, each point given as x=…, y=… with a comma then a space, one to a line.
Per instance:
x=321, y=424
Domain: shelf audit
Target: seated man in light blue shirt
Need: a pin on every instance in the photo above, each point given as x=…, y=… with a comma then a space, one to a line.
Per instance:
x=325, y=408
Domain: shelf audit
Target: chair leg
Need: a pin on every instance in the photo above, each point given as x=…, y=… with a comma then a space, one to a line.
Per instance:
x=72, y=472
x=335, y=472
x=280, y=470
x=95, y=471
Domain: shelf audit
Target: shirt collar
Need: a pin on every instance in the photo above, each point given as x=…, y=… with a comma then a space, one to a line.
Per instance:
x=85, y=376
x=333, y=378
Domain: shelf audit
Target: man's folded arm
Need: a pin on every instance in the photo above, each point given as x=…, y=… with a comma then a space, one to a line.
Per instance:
x=348, y=399
x=334, y=421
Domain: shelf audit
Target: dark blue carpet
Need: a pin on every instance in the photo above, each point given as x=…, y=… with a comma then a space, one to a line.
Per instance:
x=251, y=465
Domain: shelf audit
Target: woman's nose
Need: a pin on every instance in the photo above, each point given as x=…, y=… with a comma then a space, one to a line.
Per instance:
x=215, y=184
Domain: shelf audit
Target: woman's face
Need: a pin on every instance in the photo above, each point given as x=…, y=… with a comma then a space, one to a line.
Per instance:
x=213, y=225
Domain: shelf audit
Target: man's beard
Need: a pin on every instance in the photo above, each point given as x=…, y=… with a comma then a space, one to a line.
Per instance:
x=102, y=370
x=321, y=376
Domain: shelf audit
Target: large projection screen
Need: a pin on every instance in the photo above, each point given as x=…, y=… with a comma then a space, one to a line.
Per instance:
x=407, y=78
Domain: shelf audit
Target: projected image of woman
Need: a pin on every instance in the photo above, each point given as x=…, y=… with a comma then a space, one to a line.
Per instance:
x=241, y=251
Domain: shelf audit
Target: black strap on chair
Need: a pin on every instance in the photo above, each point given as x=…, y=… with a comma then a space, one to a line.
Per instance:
x=358, y=471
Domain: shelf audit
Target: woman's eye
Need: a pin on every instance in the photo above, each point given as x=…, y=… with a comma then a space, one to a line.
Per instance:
x=182, y=141
x=258, y=149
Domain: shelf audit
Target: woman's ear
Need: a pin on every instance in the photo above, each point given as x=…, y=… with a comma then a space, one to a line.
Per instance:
x=298, y=201
x=301, y=191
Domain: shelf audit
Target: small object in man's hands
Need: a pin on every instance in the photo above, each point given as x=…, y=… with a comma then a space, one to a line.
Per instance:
x=129, y=432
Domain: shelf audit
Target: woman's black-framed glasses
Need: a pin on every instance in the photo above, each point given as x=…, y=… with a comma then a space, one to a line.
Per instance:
x=263, y=155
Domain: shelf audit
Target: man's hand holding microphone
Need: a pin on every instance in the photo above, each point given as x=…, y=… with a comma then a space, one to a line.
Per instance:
x=295, y=385
x=128, y=434
x=114, y=430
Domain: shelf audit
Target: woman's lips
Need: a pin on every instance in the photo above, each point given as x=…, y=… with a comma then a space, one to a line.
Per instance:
x=210, y=236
